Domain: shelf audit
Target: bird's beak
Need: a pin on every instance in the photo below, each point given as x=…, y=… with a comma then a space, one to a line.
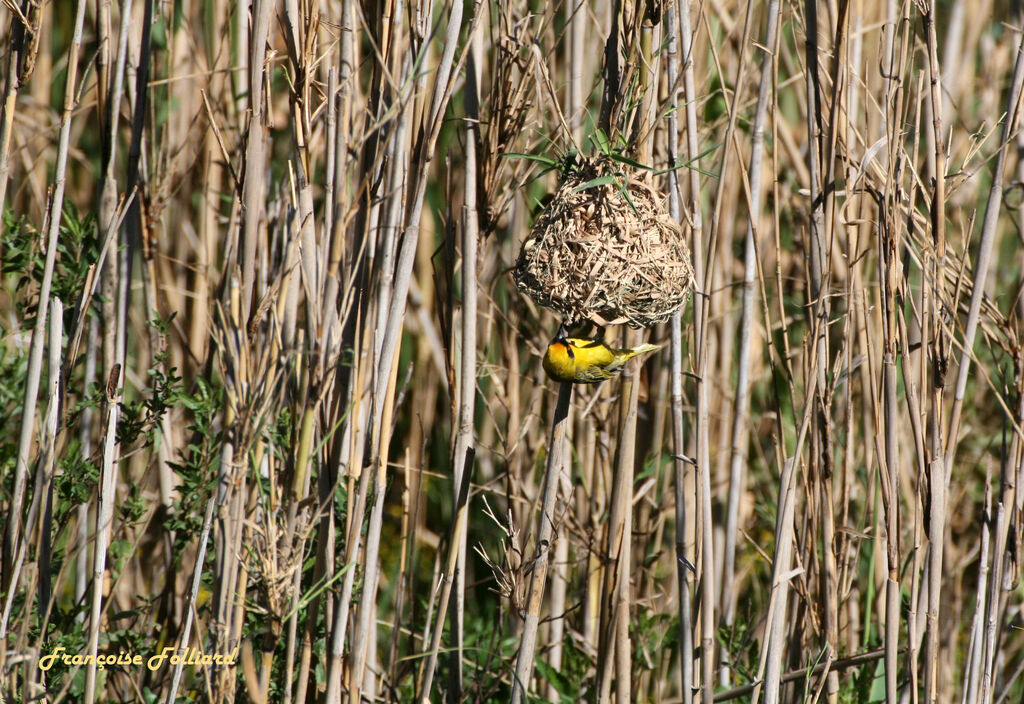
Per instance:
x=562, y=339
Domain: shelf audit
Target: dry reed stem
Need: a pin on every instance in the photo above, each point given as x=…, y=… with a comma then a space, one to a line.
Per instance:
x=741, y=408
x=554, y=468
x=682, y=585
x=700, y=332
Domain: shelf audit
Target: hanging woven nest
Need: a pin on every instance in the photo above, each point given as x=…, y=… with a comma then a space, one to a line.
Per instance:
x=594, y=254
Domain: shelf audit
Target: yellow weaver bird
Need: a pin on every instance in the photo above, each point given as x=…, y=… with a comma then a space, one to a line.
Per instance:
x=584, y=361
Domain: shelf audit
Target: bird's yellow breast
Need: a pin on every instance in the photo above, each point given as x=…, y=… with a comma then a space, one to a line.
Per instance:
x=558, y=363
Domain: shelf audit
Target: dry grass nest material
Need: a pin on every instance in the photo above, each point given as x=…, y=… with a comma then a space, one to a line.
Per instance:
x=595, y=255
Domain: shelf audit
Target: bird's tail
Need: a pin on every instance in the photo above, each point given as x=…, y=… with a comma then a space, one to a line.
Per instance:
x=646, y=347
x=624, y=356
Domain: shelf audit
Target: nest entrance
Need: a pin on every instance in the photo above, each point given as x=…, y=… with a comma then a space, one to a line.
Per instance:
x=594, y=254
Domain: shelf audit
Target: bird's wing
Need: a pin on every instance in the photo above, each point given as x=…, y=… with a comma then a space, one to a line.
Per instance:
x=594, y=374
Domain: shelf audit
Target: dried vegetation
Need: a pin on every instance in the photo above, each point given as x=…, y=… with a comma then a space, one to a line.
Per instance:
x=267, y=385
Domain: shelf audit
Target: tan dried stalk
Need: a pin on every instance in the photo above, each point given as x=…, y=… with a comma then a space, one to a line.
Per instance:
x=553, y=471
x=748, y=333
x=254, y=185
x=700, y=353
x=938, y=353
x=773, y=646
x=676, y=59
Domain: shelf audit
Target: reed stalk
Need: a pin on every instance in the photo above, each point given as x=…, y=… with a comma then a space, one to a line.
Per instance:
x=546, y=534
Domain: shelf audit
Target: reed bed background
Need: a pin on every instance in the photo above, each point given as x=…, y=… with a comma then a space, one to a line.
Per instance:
x=268, y=389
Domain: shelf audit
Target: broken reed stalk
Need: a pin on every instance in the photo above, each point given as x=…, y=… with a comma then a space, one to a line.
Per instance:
x=996, y=606
x=553, y=470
